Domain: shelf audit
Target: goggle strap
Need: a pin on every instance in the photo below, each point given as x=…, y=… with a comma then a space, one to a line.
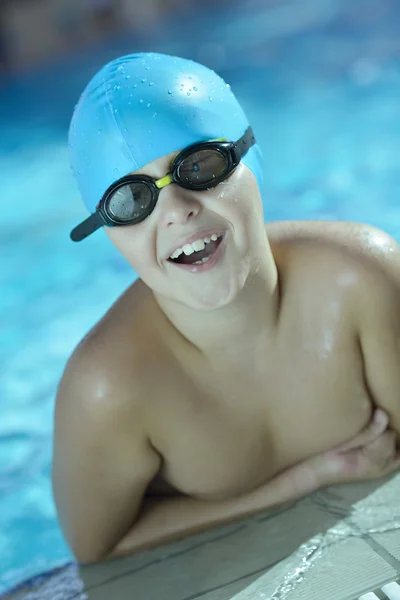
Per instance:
x=88, y=226
x=246, y=141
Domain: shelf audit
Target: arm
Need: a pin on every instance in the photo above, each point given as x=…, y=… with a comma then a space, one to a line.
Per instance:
x=377, y=307
x=103, y=464
x=166, y=519
x=102, y=459
x=368, y=456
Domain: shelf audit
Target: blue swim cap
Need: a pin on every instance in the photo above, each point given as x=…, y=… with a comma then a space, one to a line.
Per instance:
x=142, y=106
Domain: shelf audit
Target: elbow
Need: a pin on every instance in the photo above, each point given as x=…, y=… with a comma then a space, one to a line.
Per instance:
x=93, y=541
x=88, y=550
x=86, y=556
x=89, y=545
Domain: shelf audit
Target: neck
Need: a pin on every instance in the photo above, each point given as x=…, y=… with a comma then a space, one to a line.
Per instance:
x=239, y=330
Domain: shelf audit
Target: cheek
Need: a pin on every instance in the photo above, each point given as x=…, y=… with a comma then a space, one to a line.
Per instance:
x=249, y=196
x=134, y=245
x=235, y=199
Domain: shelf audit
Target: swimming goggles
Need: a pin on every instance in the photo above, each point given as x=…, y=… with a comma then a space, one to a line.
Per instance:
x=132, y=199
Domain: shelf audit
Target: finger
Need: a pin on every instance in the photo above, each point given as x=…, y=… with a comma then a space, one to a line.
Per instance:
x=373, y=430
x=380, y=454
x=382, y=447
x=392, y=467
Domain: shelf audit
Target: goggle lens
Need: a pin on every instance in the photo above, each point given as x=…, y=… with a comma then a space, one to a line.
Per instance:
x=203, y=168
x=129, y=202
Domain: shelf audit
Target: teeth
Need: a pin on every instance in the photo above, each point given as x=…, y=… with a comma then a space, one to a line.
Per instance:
x=196, y=246
x=177, y=253
x=188, y=249
x=199, y=245
x=203, y=260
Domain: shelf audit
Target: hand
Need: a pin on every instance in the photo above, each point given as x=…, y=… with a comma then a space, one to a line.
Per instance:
x=372, y=454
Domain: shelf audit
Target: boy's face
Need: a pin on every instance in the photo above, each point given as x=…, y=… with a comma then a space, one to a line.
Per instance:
x=231, y=211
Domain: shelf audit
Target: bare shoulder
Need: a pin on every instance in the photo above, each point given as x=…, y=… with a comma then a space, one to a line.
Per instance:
x=371, y=252
x=106, y=373
x=102, y=453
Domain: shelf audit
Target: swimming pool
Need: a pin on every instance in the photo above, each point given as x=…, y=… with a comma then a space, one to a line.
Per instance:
x=320, y=86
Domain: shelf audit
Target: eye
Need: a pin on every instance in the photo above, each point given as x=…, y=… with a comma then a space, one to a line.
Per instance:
x=129, y=201
x=203, y=166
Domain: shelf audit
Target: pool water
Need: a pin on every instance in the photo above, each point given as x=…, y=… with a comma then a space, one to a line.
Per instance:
x=320, y=82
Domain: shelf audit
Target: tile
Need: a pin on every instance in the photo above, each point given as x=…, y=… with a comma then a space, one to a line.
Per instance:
x=346, y=561
x=205, y=569
x=344, y=571
x=227, y=591
x=392, y=590
x=125, y=591
x=390, y=541
x=345, y=497
x=95, y=575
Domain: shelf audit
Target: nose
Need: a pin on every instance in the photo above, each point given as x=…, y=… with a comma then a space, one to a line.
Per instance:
x=177, y=205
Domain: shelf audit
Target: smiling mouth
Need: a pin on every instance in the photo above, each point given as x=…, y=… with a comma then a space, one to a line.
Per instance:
x=198, y=257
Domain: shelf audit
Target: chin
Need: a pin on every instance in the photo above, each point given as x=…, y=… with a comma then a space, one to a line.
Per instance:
x=217, y=296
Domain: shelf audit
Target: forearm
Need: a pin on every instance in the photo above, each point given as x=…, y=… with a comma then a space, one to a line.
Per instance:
x=166, y=519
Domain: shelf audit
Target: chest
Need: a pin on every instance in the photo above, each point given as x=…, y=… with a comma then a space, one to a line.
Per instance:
x=222, y=434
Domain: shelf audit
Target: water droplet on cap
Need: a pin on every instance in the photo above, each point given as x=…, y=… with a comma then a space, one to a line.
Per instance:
x=196, y=89
x=151, y=83
x=144, y=80
x=188, y=94
x=127, y=76
x=210, y=98
x=149, y=104
x=170, y=92
x=115, y=170
x=99, y=131
x=141, y=100
x=135, y=85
